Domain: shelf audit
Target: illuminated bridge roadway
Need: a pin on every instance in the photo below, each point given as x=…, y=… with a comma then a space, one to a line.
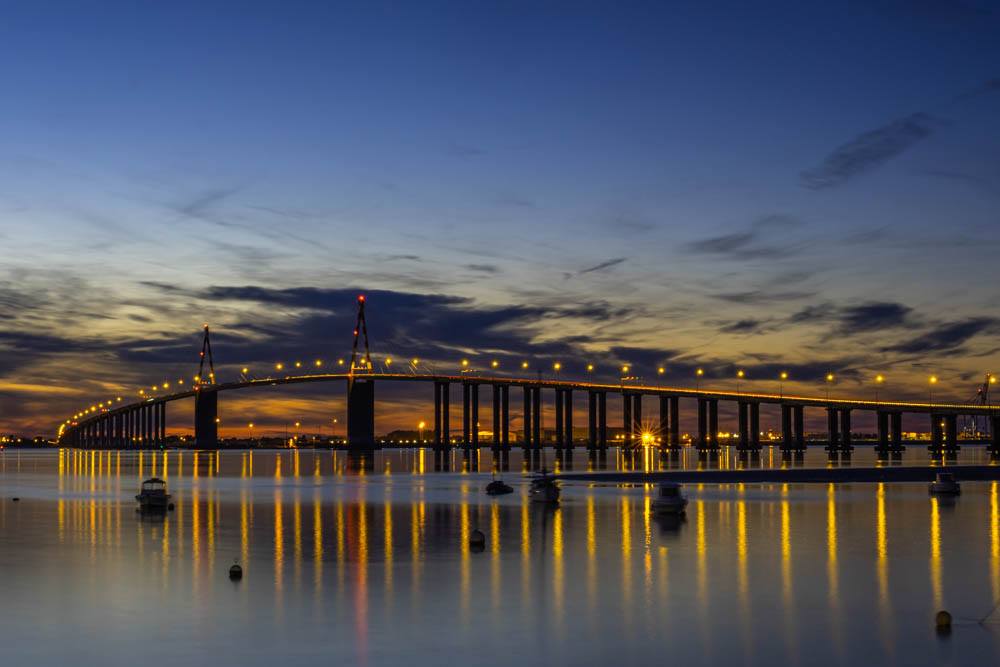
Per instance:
x=144, y=422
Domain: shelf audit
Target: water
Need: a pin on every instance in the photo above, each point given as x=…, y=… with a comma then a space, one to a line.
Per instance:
x=368, y=565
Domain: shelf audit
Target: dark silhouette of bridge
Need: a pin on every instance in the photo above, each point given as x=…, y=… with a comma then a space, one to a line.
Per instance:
x=143, y=423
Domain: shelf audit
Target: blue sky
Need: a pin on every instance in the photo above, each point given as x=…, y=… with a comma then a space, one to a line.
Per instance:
x=793, y=185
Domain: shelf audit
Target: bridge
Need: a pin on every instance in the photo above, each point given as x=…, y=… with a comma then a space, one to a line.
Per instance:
x=142, y=423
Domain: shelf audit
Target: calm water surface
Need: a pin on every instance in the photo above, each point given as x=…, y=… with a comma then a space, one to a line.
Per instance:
x=368, y=564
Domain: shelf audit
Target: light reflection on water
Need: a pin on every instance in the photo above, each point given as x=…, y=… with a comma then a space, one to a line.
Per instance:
x=376, y=568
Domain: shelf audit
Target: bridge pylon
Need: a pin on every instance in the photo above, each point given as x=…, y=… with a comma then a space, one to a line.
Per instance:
x=360, y=392
x=206, y=400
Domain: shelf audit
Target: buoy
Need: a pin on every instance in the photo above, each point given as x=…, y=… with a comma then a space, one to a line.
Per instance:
x=16, y=499
x=477, y=538
x=942, y=621
x=170, y=507
x=235, y=571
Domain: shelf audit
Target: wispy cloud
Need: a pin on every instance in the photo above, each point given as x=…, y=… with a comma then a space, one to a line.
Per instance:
x=764, y=239
x=945, y=337
x=869, y=150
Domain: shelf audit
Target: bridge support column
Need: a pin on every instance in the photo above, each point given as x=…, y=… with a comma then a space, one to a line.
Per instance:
x=713, y=423
x=495, y=413
x=626, y=421
x=568, y=418
x=361, y=414
x=845, y=430
x=637, y=419
x=664, y=429
x=591, y=420
x=474, y=389
x=896, y=430
x=675, y=421
x=883, y=430
x=206, y=414
x=787, y=435
x=755, y=425
x=743, y=410
x=560, y=426
x=526, y=417
x=602, y=420
x=800, y=429
x=833, y=429
x=505, y=416
x=466, y=405
x=437, y=415
x=536, y=417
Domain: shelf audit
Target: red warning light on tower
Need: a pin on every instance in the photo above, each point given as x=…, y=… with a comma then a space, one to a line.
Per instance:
x=361, y=297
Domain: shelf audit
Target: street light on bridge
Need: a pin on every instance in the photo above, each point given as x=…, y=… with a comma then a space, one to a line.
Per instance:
x=781, y=383
x=829, y=380
x=740, y=374
x=931, y=381
x=879, y=381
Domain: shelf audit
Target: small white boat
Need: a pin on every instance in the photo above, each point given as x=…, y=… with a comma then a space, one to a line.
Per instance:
x=670, y=500
x=153, y=495
x=544, y=488
x=944, y=484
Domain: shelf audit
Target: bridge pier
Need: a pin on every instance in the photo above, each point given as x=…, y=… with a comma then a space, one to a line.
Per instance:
x=591, y=420
x=560, y=436
x=361, y=414
x=702, y=423
x=466, y=400
x=833, y=429
x=675, y=421
x=526, y=417
x=896, y=430
x=749, y=425
x=206, y=419
x=890, y=431
x=536, y=417
x=664, y=429
x=626, y=421
x=474, y=419
x=442, y=415
x=568, y=418
x=937, y=434
x=495, y=414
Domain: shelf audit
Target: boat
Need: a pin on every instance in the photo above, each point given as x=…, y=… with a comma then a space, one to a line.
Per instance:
x=153, y=495
x=498, y=488
x=670, y=501
x=944, y=484
x=544, y=488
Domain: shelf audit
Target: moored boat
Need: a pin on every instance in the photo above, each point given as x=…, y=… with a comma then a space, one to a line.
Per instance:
x=544, y=488
x=153, y=495
x=944, y=484
x=670, y=500
x=498, y=488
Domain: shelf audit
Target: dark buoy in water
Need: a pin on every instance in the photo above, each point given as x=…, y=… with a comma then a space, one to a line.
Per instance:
x=235, y=571
x=477, y=539
x=942, y=622
x=16, y=499
x=170, y=507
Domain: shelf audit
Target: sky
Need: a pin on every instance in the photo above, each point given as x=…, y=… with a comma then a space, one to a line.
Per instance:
x=800, y=187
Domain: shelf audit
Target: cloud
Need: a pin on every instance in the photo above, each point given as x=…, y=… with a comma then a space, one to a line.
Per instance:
x=603, y=266
x=742, y=327
x=483, y=268
x=760, y=297
x=757, y=242
x=198, y=205
x=944, y=337
x=869, y=150
x=872, y=317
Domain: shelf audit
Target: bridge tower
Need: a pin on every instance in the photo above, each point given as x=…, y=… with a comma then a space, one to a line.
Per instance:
x=360, y=390
x=206, y=399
